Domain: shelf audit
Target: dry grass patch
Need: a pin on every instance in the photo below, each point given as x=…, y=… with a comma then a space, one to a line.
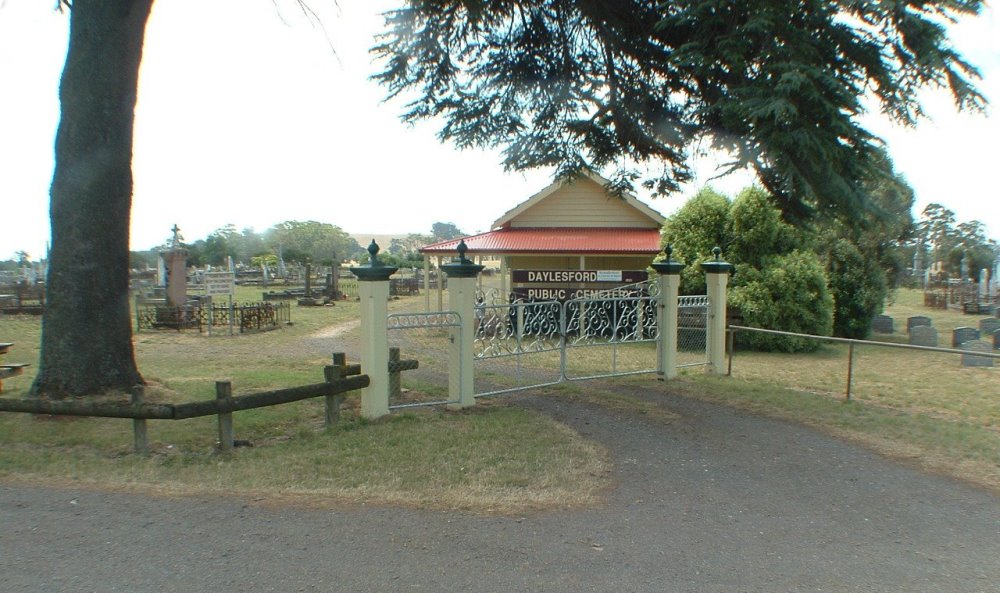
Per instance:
x=495, y=459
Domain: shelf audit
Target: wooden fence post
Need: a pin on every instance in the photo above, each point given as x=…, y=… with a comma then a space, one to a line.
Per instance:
x=333, y=402
x=141, y=436
x=224, y=393
x=395, y=379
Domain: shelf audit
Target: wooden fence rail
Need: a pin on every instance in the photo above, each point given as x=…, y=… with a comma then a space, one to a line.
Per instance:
x=339, y=378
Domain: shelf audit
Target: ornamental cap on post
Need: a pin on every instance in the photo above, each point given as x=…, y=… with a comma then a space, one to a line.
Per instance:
x=668, y=265
x=717, y=266
x=461, y=266
x=374, y=271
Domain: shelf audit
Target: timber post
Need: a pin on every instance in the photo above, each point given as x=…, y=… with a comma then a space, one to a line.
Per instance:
x=373, y=291
x=669, y=281
x=717, y=279
x=224, y=397
x=333, y=401
x=462, y=280
x=139, y=429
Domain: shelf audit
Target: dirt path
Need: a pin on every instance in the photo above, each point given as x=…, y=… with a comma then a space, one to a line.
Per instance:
x=713, y=501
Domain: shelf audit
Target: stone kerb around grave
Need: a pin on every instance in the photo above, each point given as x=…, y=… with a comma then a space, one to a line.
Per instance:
x=916, y=321
x=971, y=360
x=923, y=335
x=882, y=324
x=961, y=335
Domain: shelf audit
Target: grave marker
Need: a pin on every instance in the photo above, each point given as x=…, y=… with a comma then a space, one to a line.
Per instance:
x=971, y=360
x=989, y=325
x=882, y=324
x=924, y=335
x=915, y=321
x=961, y=335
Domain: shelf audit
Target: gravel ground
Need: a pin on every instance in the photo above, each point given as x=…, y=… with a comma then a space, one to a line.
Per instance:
x=715, y=501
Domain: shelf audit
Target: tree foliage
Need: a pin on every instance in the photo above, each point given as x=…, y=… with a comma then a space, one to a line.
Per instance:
x=858, y=287
x=693, y=231
x=316, y=242
x=947, y=242
x=778, y=84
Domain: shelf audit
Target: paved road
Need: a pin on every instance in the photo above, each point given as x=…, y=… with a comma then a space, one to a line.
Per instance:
x=716, y=501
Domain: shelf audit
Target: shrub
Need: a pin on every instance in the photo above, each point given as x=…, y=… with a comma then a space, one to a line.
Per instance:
x=698, y=226
x=788, y=294
x=858, y=287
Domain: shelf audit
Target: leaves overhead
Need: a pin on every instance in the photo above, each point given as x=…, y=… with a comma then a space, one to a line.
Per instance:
x=576, y=84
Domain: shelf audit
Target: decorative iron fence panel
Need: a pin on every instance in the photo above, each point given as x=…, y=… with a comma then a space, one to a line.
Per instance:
x=245, y=317
x=517, y=345
x=611, y=336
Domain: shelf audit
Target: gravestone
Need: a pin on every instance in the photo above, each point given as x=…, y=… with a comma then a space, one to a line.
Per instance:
x=971, y=360
x=961, y=335
x=989, y=325
x=915, y=321
x=882, y=324
x=996, y=340
x=924, y=335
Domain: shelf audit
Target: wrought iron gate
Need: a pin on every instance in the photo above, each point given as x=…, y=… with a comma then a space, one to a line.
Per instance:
x=521, y=345
x=429, y=336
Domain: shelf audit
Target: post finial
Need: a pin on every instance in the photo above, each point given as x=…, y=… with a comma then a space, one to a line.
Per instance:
x=717, y=252
x=373, y=250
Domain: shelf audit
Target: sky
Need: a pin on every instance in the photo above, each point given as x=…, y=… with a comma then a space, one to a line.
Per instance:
x=251, y=114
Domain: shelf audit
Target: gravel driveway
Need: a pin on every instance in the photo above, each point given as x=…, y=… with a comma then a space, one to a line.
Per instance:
x=715, y=501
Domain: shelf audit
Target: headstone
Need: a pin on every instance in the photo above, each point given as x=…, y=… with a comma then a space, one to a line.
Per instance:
x=996, y=340
x=924, y=335
x=961, y=335
x=916, y=320
x=988, y=325
x=984, y=289
x=882, y=324
x=971, y=360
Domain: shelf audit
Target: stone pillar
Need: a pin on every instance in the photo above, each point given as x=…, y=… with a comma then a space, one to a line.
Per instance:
x=717, y=278
x=373, y=292
x=669, y=281
x=175, y=261
x=462, y=281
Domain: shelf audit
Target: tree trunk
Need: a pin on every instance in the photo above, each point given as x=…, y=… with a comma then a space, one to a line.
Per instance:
x=86, y=329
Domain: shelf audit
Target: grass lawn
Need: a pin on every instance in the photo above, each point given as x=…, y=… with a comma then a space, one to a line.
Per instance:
x=921, y=407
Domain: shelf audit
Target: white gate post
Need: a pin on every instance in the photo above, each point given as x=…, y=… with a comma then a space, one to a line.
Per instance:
x=717, y=278
x=462, y=278
x=669, y=281
x=373, y=290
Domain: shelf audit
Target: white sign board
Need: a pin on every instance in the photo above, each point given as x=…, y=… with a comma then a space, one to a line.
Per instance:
x=609, y=275
x=219, y=283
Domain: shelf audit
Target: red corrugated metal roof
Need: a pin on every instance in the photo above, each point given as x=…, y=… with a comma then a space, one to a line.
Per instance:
x=556, y=240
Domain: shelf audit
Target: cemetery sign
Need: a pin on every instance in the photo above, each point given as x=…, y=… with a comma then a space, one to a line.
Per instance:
x=560, y=285
x=219, y=283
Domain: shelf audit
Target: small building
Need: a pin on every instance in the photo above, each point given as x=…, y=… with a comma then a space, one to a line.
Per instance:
x=570, y=239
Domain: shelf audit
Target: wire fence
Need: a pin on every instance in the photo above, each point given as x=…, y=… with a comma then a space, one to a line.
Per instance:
x=959, y=383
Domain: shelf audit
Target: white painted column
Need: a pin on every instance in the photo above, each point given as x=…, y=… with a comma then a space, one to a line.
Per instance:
x=666, y=346
x=374, y=347
x=717, y=279
x=440, y=285
x=373, y=292
x=427, y=283
x=462, y=279
x=461, y=379
x=669, y=282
